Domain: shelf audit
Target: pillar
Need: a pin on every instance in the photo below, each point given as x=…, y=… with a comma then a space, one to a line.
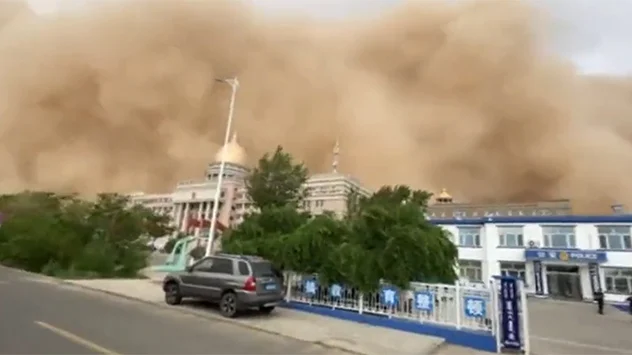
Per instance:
x=177, y=217
x=199, y=218
x=209, y=208
x=185, y=218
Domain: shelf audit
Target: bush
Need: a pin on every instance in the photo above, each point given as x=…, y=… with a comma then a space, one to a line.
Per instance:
x=61, y=235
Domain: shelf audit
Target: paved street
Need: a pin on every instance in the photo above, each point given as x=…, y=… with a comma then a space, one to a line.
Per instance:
x=559, y=327
x=38, y=316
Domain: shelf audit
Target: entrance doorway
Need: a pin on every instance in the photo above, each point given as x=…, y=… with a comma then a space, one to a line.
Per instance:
x=563, y=282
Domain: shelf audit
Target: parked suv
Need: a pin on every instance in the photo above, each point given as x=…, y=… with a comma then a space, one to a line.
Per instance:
x=236, y=282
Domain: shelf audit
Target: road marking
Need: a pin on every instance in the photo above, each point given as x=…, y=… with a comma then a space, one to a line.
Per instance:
x=581, y=345
x=76, y=339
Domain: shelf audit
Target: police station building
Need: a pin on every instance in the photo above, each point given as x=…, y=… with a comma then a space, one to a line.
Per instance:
x=567, y=257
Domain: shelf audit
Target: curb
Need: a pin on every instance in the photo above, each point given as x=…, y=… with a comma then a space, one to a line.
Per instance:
x=204, y=315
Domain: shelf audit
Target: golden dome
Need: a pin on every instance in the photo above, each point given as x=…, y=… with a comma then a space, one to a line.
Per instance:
x=444, y=195
x=232, y=152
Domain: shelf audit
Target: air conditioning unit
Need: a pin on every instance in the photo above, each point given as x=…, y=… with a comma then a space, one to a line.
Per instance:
x=533, y=244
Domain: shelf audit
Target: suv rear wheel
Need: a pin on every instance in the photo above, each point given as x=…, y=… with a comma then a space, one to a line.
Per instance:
x=228, y=305
x=172, y=294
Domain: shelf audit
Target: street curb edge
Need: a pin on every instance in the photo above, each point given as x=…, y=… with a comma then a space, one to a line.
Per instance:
x=203, y=315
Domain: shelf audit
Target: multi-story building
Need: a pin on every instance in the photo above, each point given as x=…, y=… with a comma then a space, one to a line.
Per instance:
x=191, y=203
x=559, y=256
x=445, y=207
x=159, y=203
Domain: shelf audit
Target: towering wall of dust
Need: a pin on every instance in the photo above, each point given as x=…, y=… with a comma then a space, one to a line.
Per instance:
x=122, y=97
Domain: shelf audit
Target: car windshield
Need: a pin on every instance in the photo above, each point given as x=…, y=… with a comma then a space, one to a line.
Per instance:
x=264, y=269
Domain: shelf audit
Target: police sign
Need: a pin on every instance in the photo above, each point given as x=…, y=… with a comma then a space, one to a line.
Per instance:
x=510, y=335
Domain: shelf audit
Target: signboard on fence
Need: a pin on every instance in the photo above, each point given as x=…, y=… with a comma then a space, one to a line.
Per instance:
x=510, y=313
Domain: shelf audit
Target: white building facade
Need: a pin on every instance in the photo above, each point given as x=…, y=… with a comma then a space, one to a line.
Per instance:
x=190, y=204
x=568, y=257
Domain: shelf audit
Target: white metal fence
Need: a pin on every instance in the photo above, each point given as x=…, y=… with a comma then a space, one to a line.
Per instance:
x=468, y=307
x=449, y=305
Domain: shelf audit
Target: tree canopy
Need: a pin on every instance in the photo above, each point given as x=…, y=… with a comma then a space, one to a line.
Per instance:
x=384, y=237
x=277, y=181
x=63, y=235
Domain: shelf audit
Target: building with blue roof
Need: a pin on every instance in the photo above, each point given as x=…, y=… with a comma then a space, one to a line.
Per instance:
x=562, y=256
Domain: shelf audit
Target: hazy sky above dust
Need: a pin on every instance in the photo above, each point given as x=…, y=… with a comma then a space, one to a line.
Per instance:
x=592, y=33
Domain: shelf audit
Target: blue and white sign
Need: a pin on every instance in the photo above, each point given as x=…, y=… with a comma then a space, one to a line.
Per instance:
x=475, y=307
x=335, y=291
x=311, y=285
x=595, y=280
x=510, y=314
x=566, y=255
x=424, y=301
x=389, y=296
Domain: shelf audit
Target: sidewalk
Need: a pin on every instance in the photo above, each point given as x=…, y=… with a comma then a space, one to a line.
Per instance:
x=348, y=336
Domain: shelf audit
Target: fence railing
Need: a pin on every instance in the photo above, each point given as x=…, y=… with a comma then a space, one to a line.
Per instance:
x=462, y=307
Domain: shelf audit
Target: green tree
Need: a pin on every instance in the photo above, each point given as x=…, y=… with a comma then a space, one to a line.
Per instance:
x=276, y=189
x=312, y=248
x=263, y=233
x=277, y=181
x=384, y=237
x=391, y=240
x=63, y=235
x=352, y=203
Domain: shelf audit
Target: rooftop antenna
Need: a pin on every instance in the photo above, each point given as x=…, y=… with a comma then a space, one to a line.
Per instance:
x=335, y=162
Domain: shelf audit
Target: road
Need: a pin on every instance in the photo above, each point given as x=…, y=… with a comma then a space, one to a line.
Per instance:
x=559, y=327
x=39, y=316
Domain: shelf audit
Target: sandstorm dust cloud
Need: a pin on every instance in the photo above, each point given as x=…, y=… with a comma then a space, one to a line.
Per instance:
x=467, y=96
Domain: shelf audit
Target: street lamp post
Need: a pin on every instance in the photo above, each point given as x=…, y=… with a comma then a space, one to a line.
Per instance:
x=234, y=84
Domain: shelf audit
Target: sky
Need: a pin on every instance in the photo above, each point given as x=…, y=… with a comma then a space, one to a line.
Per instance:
x=592, y=33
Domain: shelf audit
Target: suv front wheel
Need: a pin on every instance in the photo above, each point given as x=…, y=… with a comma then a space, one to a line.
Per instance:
x=172, y=294
x=228, y=305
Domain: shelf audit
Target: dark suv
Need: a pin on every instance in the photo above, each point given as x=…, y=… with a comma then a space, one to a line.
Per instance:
x=236, y=282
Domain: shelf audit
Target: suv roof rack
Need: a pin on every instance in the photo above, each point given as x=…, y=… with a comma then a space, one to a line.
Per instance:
x=242, y=257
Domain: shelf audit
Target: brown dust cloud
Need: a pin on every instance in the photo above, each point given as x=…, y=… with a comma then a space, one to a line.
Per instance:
x=467, y=96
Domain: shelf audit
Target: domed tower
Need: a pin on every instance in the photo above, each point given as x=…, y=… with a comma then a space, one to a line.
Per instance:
x=232, y=153
x=235, y=158
x=444, y=197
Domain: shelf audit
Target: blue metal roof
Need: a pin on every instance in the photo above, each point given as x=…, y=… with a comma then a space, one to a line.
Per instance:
x=592, y=219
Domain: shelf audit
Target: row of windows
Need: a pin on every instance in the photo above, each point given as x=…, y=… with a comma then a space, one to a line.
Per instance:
x=617, y=281
x=472, y=270
x=610, y=237
x=316, y=203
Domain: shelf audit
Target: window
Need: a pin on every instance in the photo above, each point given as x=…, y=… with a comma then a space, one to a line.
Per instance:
x=471, y=270
x=469, y=237
x=618, y=280
x=243, y=269
x=319, y=203
x=559, y=236
x=203, y=265
x=614, y=237
x=264, y=269
x=510, y=236
x=222, y=266
x=516, y=270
